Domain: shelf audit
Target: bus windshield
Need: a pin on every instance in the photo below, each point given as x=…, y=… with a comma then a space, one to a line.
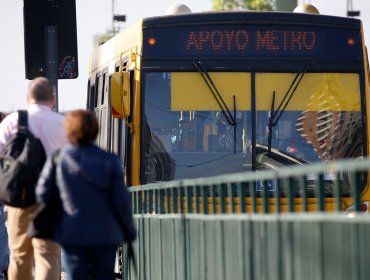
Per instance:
x=187, y=134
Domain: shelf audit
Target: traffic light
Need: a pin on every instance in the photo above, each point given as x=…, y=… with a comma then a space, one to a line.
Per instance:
x=38, y=15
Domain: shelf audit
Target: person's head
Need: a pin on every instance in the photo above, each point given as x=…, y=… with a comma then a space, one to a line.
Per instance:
x=40, y=91
x=81, y=127
x=2, y=116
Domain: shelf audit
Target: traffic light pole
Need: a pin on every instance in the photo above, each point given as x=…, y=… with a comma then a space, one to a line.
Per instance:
x=51, y=33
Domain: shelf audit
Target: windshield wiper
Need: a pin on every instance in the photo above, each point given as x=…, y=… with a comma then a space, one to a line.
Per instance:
x=216, y=94
x=276, y=115
x=231, y=119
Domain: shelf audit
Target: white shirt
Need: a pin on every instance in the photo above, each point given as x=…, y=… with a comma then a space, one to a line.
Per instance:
x=44, y=123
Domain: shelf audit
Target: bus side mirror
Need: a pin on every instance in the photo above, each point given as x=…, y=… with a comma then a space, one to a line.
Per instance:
x=120, y=94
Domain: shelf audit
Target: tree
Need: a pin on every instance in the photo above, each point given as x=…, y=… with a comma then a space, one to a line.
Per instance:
x=260, y=5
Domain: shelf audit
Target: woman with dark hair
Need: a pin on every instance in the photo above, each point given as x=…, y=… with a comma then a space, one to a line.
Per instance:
x=96, y=208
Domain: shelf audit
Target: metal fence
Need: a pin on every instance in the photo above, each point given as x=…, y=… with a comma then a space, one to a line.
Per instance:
x=249, y=247
x=262, y=225
x=333, y=186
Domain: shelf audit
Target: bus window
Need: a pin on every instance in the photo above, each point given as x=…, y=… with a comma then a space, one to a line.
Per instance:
x=102, y=112
x=321, y=120
x=199, y=142
x=90, y=96
x=116, y=136
x=96, y=91
x=102, y=96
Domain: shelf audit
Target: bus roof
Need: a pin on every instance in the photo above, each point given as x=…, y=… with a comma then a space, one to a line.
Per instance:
x=252, y=17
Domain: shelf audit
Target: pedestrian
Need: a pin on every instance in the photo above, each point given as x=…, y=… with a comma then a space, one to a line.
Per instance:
x=4, y=247
x=96, y=207
x=27, y=253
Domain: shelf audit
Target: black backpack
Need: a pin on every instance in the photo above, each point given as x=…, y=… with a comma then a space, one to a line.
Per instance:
x=21, y=162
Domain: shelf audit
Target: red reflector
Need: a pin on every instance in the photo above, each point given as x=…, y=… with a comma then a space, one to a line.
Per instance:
x=151, y=41
x=363, y=207
x=351, y=42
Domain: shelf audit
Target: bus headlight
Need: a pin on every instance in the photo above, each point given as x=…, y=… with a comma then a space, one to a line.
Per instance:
x=351, y=212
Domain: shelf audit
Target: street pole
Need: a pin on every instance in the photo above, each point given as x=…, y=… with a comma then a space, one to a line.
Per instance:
x=51, y=33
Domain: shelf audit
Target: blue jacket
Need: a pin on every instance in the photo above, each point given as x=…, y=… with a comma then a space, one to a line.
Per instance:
x=96, y=205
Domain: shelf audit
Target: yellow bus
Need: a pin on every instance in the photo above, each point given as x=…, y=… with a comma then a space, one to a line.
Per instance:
x=202, y=94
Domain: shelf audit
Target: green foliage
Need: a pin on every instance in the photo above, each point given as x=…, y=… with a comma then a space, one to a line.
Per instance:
x=260, y=5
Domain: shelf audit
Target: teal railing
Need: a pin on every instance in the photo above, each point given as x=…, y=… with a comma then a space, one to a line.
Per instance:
x=262, y=225
x=263, y=191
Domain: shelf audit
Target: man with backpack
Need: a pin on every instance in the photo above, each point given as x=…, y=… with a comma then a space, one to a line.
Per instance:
x=47, y=126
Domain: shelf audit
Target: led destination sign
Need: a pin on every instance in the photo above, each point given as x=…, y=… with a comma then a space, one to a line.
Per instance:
x=258, y=40
x=252, y=41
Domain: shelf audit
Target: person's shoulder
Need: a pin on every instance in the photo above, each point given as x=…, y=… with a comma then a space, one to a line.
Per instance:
x=54, y=118
x=13, y=115
x=67, y=149
x=2, y=116
x=11, y=119
x=109, y=155
x=56, y=114
x=36, y=110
